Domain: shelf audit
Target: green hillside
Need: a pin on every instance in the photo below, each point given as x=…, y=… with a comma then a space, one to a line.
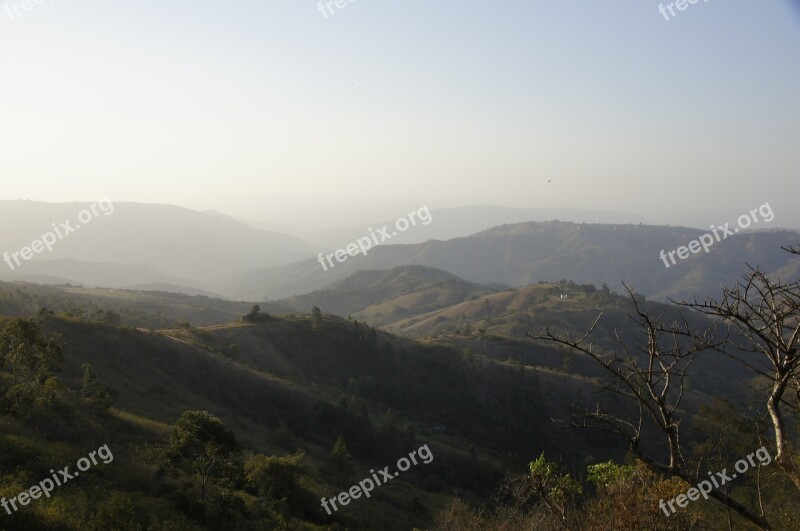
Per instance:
x=382, y=297
x=280, y=386
x=302, y=407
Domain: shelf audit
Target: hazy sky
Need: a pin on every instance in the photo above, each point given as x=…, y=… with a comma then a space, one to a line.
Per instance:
x=256, y=107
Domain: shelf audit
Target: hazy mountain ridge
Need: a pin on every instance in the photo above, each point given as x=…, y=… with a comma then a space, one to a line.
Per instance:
x=137, y=245
x=449, y=223
x=527, y=253
x=142, y=243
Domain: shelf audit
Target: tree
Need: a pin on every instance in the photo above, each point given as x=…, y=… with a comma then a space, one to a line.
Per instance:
x=93, y=391
x=766, y=316
x=255, y=315
x=628, y=496
x=276, y=477
x=651, y=377
x=34, y=358
x=546, y=484
x=341, y=462
x=316, y=318
x=32, y=354
x=201, y=445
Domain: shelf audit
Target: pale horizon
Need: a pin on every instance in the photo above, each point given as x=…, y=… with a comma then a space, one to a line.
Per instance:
x=271, y=112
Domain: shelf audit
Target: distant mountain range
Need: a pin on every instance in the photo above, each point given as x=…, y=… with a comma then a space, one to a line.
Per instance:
x=139, y=244
x=526, y=253
x=449, y=223
x=181, y=250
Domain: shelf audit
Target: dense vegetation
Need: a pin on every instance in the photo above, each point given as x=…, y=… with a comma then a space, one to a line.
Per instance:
x=247, y=425
x=279, y=395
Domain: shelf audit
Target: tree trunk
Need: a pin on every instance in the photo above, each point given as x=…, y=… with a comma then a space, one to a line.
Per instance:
x=783, y=454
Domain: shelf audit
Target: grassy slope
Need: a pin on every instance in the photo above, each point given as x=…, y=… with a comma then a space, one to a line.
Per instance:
x=277, y=385
x=280, y=393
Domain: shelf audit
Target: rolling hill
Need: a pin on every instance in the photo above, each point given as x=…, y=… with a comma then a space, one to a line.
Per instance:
x=385, y=296
x=283, y=385
x=483, y=403
x=133, y=243
x=522, y=254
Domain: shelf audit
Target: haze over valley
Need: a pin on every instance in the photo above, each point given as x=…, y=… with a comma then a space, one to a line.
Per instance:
x=414, y=266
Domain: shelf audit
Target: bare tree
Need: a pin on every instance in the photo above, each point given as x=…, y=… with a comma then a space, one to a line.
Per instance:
x=650, y=374
x=766, y=314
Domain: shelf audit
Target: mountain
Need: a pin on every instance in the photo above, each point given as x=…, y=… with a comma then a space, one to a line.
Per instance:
x=129, y=245
x=435, y=306
x=173, y=288
x=384, y=296
x=98, y=274
x=124, y=244
x=527, y=253
x=449, y=223
x=145, y=309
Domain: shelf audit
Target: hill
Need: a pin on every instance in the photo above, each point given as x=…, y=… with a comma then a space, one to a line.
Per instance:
x=282, y=385
x=438, y=308
x=457, y=222
x=522, y=254
x=483, y=403
x=382, y=297
x=127, y=244
x=147, y=309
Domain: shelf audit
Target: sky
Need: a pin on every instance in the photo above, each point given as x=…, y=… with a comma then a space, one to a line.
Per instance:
x=272, y=110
